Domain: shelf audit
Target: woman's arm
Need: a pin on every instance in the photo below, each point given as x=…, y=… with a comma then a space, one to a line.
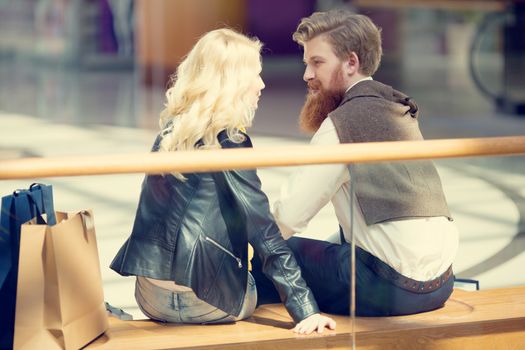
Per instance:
x=278, y=262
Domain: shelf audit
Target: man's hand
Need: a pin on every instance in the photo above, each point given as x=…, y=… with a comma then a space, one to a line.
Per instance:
x=314, y=322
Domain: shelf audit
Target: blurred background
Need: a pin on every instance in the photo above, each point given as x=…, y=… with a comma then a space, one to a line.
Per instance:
x=108, y=61
x=89, y=76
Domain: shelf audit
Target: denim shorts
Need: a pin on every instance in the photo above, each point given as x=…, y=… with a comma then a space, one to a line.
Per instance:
x=185, y=307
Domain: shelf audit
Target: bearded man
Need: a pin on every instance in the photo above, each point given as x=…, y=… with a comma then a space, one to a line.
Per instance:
x=405, y=238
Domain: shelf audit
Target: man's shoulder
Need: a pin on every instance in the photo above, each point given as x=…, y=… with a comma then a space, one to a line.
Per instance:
x=358, y=104
x=375, y=112
x=368, y=88
x=372, y=96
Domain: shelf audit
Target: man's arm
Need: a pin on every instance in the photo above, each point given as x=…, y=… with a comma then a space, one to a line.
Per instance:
x=310, y=188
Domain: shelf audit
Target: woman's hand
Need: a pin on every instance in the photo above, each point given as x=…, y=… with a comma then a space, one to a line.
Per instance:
x=314, y=322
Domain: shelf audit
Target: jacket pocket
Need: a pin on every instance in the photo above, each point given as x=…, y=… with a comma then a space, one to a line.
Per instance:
x=219, y=246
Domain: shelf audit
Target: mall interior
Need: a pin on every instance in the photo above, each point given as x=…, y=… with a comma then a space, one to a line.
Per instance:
x=88, y=77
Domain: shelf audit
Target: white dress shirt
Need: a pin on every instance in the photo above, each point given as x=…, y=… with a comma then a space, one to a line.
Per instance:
x=421, y=249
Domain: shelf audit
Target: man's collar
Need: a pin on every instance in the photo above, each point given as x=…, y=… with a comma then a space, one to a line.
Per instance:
x=360, y=80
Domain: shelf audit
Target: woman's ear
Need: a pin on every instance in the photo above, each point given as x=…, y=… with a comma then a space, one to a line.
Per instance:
x=351, y=64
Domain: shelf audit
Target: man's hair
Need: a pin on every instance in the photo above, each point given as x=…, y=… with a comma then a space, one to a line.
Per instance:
x=347, y=32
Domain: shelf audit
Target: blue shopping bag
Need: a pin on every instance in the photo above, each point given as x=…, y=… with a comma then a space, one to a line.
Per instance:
x=18, y=208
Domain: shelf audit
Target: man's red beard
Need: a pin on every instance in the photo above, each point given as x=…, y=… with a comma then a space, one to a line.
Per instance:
x=318, y=105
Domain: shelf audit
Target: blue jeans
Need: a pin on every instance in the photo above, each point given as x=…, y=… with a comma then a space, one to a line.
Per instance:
x=185, y=307
x=326, y=269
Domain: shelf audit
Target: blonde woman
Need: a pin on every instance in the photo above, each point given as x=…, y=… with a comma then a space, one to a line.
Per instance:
x=188, y=247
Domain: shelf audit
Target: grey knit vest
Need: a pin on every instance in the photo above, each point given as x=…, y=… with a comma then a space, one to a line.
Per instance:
x=387, y=191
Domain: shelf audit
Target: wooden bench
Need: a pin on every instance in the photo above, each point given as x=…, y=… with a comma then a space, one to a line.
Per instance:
x=491, y=319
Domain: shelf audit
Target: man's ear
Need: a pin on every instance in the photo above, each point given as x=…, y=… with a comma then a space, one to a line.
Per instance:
x=351, y=64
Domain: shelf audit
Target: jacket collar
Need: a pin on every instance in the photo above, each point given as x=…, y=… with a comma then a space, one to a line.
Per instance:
x=375, y=89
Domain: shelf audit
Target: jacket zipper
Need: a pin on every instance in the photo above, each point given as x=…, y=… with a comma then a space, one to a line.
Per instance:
x=239, y=262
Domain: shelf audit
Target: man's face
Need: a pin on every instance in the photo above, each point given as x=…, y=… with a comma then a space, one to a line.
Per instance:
x=327, y=82
x=322, y=66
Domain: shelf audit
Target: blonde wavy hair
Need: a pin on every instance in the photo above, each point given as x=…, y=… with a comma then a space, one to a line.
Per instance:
x=208, y=92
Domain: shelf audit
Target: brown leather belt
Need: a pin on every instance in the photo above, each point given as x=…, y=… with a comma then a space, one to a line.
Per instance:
x=388, y=273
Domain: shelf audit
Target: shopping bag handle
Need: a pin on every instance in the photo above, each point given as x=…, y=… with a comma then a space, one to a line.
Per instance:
x=47, y=206
x=87, y=220
x=37, y=207
x=47, y=202
x=88, y=223
x=35, y=184
x=34, y=206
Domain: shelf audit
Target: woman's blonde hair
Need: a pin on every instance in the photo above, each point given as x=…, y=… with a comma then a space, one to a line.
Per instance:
x=208, y=93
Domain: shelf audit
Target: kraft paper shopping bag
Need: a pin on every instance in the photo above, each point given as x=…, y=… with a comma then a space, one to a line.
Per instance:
x=60, y=301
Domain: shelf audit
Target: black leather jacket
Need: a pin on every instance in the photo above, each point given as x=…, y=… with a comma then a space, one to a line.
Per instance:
x=180, y=234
